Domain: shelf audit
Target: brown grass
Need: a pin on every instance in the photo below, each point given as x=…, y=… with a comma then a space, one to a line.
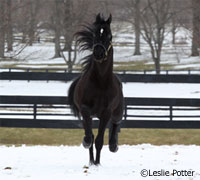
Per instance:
x=31, y=136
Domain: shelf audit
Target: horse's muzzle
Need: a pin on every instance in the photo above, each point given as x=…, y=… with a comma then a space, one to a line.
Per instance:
x=99, y=52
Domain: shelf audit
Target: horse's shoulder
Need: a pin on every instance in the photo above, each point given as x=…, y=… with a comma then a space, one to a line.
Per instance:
x=117, y=79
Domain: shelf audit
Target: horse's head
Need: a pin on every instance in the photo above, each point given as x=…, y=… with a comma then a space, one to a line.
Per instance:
x=102, y=38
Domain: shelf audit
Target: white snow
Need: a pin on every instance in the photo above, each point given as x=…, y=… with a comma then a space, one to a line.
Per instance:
x=65, y=162
x=56, y=88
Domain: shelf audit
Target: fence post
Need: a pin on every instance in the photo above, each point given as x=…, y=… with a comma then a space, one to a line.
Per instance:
x=35, y=111
x=171, y=113
x=47, y=72
x=28, y=70
x=125, y=111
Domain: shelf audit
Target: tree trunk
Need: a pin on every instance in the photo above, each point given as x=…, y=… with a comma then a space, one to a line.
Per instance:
x=9, y=30
x=173, y=30
x=137, y=28
x=196, y=28
x=68, y=27
x=157, y=65
x=70, y=64
x=24, y=21
x=23, y=36
x=57, y=43
x=31, y=33
x=57, y=29
x=67, y=24
x=33, y=10
x=2, y=28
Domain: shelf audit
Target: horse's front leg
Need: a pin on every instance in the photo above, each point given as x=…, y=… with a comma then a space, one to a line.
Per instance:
x=105, y=117
x=89, y=137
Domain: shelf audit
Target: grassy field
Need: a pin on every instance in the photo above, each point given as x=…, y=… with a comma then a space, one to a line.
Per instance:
x=131, y=65
x=18, y=136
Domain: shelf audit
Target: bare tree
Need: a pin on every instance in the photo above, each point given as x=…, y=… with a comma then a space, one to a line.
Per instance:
x=27, y=18
x=132, y=15
x=9, y=24
x=174, y=29
x=2, y=28
x=34, y=6
x=196, y=27
x=178, y=10
x=57, y=27
x=154, y=18
x=68, y=32
x=174, y=21
x=137, y=27
x=74, y=14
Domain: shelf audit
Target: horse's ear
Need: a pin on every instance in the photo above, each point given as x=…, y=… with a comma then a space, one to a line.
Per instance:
x=109, y=20
x=98, y=18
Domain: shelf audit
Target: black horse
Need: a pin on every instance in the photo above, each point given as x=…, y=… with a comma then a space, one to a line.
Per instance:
x=97, y=92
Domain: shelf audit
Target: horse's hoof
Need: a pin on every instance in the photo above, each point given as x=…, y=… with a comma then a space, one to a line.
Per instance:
x=97, y=163
x=113, y=148
x=92, y=162
x=87, y=143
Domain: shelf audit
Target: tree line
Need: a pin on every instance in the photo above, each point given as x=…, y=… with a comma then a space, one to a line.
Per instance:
x=152, y=20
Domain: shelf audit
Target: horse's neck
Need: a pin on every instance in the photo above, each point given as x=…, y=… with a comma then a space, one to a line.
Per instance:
x=104, y=71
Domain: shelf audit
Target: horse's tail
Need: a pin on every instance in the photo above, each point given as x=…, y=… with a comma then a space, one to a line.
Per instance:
x=72, y=105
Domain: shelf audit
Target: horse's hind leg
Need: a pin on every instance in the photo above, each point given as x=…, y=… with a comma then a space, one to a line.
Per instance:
x=115, y=122
x=113, y=138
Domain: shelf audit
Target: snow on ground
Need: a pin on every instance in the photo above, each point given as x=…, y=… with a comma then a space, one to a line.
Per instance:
x=65, y=162
x=55, y=88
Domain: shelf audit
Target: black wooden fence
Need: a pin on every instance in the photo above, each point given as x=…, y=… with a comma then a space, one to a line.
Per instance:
x=53, y=112
x=64, y=76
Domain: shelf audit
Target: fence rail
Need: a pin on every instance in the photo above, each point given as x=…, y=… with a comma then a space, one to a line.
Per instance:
x=54, y=112
x=172, y=71
x=63, y=76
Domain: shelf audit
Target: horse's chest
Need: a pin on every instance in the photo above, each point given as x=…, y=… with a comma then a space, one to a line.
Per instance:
x=100, y=102
x=99, y=98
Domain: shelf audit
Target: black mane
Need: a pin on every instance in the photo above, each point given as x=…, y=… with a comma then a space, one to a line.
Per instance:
x=84, y=39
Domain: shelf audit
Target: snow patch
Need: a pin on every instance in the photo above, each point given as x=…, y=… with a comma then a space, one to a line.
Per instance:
x=71, y=162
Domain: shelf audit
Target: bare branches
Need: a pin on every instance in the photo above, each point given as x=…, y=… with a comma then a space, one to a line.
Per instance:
x=154, y=19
